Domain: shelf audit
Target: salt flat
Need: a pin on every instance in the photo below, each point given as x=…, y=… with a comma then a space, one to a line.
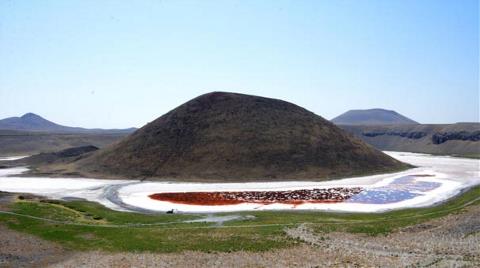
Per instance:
x=436, y=178
x=11, y=158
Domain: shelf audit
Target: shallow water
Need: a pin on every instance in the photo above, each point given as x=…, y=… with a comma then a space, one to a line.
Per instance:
x=436, y=179
x=221, y=219
x=401, y=189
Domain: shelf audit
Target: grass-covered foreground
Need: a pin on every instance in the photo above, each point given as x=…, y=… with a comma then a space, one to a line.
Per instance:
x=87, y=226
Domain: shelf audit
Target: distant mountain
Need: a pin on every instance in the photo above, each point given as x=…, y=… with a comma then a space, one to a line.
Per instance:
x=234, y=137
x=372, y=117
x=33, y=122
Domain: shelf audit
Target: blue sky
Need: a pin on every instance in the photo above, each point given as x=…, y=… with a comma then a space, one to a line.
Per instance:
x=124, y=63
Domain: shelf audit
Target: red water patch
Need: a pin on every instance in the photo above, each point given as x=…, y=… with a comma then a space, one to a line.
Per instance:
x=295, y=197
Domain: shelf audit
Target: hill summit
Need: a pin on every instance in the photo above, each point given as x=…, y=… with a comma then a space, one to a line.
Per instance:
x=372, y=117
x=234, y=137
x=29, y=121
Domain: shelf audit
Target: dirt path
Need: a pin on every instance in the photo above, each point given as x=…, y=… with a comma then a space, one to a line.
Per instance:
x=454, y=239
x=23, y=250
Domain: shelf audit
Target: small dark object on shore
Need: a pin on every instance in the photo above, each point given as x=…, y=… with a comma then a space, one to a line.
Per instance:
x=170, y=211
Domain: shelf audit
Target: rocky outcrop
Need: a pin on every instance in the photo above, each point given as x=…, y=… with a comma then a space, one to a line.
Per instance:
x=439, y=138
x=460, y=139
x=408, y=135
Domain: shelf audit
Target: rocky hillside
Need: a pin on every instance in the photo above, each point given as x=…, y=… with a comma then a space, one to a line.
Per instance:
x=234, y=137
x=14, y=142
x=372, y=117
x=66, y=155
x=461, y=139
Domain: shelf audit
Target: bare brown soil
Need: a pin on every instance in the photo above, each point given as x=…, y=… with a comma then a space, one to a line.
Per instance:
x=23, y=250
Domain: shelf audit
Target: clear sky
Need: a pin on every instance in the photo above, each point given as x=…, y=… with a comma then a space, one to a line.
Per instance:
x=124, y=63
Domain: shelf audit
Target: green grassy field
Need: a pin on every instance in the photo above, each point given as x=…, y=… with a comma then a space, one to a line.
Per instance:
x=473, y=156
x=86, y=226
